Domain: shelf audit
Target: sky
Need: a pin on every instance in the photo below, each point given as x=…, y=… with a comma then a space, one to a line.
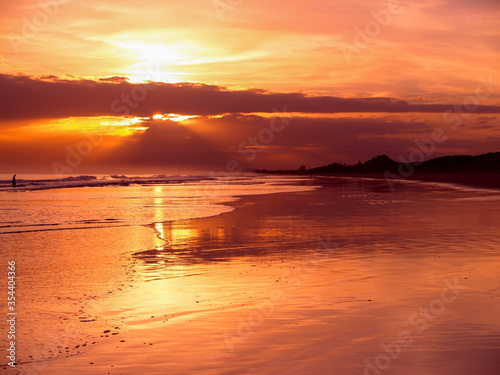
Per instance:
x=168, y=86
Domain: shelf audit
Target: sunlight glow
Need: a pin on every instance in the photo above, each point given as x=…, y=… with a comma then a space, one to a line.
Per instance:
x=159, y=230
x=140, y=74
x=123, y=126
x=173, y=117
x=104, y=125
x=156, y=62
x=153, y=53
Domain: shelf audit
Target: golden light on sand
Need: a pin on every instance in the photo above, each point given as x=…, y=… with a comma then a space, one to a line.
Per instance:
x=180, y=234
x=159, y=230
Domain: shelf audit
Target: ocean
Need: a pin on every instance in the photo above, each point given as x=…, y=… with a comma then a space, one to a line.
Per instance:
x=254, y=274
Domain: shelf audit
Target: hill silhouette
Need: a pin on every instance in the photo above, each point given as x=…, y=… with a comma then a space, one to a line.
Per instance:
x=382, y=163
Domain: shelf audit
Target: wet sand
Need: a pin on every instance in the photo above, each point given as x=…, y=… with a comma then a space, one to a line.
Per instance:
x=481, y=180
x=346, y=279
x=487, y=180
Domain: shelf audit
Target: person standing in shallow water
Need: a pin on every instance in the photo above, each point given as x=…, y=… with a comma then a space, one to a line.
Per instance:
x=14, y=181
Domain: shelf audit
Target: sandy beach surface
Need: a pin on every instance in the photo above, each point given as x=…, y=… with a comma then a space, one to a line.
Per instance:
x=487, y=180
x=348, y=278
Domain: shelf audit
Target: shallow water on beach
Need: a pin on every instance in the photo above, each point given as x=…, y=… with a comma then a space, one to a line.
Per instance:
x=343, y=276
x=73, y=246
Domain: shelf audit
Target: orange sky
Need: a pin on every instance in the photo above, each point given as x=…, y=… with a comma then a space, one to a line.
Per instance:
x=430, y=54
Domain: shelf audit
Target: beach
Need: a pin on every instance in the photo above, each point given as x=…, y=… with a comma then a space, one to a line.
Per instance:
x=338, y=276
x=233, y=187
x=485, y=180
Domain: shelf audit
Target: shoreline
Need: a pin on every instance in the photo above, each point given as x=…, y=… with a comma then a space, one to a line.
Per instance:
x=487, y=180
x=476, y=180
x=216, y=271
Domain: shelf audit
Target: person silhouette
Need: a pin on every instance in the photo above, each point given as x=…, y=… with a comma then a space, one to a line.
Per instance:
x=14, y=181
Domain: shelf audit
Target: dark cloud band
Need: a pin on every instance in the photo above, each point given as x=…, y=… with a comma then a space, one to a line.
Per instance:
x=24, y=97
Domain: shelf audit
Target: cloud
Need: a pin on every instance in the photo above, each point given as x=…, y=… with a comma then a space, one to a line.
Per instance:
x=114, y=79
x=162, y=144
x=25, y=97
x=166, y=143
x=207, y=143
x=434, y=48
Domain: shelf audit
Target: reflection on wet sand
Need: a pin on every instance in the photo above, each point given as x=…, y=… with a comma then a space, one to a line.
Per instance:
x=189, y=243
x=348, y=279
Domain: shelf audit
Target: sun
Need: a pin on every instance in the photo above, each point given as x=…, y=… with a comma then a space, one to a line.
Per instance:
x=173, y=117
x=153, y=53
x=156, y=62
